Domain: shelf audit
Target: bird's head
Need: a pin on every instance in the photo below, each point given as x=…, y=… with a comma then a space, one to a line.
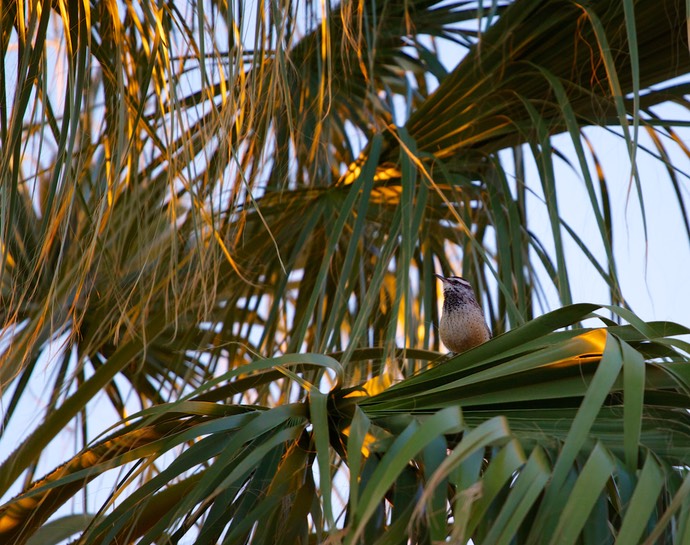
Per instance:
x=455, y=284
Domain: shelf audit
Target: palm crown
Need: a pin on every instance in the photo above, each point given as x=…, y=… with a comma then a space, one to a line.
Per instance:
x=210, y=217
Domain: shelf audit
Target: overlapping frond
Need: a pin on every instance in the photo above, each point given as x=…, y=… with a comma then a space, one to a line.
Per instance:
x=537, y=433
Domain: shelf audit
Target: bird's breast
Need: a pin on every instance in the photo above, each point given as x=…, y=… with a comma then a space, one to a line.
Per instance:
x=463, y=328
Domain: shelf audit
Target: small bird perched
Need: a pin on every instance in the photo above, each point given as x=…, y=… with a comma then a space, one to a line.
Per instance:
x=462, y=323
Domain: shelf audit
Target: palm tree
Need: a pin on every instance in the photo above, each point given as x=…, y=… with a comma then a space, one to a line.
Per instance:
x=221, y=220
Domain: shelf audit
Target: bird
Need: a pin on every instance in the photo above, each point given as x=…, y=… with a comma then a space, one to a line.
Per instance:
x=463, y=325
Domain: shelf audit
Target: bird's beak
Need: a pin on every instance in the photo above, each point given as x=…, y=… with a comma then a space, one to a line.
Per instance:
x=441, y=278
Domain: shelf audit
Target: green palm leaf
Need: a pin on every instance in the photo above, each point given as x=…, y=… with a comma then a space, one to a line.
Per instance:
x=566, y=424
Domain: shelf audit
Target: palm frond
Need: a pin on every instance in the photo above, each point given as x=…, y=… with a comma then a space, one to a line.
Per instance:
x=532, y=434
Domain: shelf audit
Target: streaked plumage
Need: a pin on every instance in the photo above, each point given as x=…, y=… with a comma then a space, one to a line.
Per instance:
x=463, y=325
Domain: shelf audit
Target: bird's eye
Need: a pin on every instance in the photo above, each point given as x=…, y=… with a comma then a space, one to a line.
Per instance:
x=461, y=282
